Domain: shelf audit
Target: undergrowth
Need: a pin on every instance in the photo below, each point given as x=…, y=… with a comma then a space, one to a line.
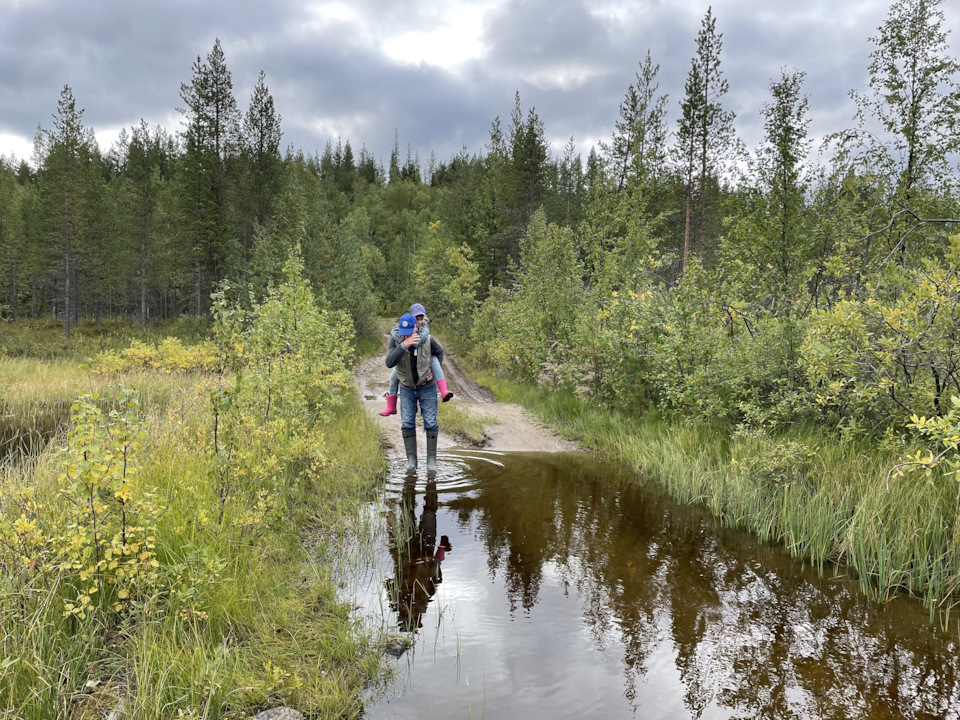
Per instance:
x=824, y=499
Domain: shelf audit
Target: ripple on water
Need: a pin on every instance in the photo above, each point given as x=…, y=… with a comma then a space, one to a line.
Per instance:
x=572, y=590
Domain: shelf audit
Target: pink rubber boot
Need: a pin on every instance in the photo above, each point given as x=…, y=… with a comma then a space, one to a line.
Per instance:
x=444, y=393
x=391, y=408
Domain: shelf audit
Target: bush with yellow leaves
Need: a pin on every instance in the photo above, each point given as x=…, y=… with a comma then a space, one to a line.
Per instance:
x=169, y=356
x=105, y=538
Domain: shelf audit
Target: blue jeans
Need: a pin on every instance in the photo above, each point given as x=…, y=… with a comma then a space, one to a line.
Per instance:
x=427, y=397
x=434, y=368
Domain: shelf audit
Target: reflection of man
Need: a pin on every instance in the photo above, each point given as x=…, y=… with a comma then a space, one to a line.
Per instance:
x=416, y=561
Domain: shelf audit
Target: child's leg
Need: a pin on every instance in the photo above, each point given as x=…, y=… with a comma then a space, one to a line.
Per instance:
x=441, y=381
x=391, y=408
x=435, y=368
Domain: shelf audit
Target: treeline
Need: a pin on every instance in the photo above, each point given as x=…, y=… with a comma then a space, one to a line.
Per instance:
x=753, y=286
x=672, y=264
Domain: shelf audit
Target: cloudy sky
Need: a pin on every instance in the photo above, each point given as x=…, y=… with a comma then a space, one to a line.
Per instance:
x=436, y=73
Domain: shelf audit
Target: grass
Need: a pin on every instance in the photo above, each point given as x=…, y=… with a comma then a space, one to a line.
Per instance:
x=243, y=616
x=36, y=395
x=45, y=339
x=822, y=499
x=457, y=420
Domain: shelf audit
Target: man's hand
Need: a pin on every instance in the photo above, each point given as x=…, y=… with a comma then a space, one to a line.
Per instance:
x=412, y=339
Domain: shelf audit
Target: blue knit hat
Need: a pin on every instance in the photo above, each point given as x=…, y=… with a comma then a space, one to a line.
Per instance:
x=407, y=324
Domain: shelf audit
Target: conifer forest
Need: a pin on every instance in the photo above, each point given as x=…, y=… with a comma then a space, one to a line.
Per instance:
x=781, y=283
x=772, y=331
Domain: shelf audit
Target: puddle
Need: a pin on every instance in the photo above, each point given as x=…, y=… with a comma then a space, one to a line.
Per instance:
x=26, y=436
x=567, y=590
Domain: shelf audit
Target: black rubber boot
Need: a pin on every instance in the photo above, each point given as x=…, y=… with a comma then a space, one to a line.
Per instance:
x=410, y=443
x=431, y=452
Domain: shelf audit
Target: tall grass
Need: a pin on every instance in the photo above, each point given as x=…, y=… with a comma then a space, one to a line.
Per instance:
x=45, y=339
x=244, y=615
x=36, y=395
x=823, y=499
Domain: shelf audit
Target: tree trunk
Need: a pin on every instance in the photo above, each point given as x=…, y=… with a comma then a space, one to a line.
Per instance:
x=198, y=291
x=686, y=224
x=14, y=292
x=66, y=294
x=143, y=270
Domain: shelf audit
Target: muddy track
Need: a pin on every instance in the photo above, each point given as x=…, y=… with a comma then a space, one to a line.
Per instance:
x=510, y=427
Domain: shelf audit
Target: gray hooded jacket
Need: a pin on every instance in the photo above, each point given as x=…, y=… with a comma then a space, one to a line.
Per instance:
x=399, y=357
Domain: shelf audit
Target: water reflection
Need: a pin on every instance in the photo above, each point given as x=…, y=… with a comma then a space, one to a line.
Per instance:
x=416, y=555
x=579, y=594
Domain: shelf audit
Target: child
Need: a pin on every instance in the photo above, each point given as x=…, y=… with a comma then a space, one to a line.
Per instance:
x=423, y=328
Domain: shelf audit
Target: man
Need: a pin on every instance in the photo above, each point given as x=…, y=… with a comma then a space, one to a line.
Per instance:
x=410, y=353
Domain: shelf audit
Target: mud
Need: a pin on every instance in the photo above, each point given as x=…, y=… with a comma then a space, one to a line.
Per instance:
x=512, y=427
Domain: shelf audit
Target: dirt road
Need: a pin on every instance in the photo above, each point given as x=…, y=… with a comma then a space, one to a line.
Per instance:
x=513, y=428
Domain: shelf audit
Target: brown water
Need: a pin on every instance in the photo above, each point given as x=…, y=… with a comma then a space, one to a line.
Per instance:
x=571, y=591
x=23, y=437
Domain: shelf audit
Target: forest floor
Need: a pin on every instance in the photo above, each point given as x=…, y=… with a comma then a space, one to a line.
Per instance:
x=506, y=426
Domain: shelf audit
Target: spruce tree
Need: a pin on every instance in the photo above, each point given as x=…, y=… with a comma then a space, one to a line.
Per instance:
x=530, y=153
x=394, y=176
x=367, y=168
x=769, y=243
x=570, y=185
x=346, y=170
x=411, y=168
x=781, y=170
x=262, y=134
x=13, y=247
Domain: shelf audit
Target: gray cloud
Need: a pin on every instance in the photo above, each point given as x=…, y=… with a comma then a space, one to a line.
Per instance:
x=571, y=59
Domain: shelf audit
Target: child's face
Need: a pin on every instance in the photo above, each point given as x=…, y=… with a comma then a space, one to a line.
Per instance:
x=419, y=321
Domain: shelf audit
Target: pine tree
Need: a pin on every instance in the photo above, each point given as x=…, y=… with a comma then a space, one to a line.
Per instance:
x=638, y=146
x=102, y=256
x=64, y=184
x=211, y=135
x=144, y=162
x=705, y=129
